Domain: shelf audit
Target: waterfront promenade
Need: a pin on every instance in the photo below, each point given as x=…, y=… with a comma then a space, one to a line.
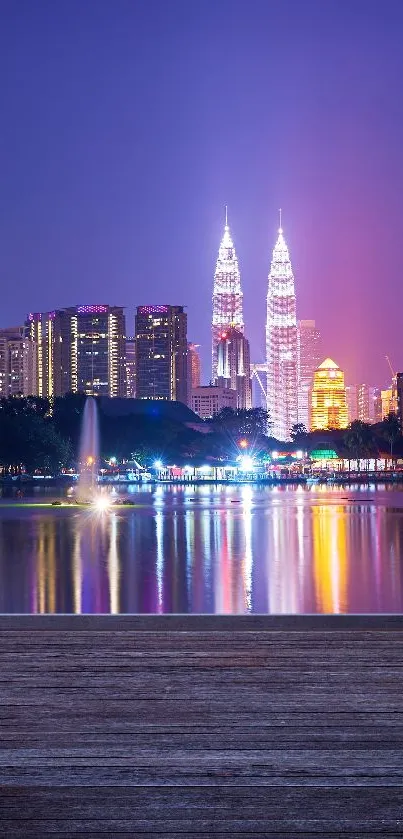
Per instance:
x=201, y=726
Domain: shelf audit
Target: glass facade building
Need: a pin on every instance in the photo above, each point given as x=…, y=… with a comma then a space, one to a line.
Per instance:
x=161, y=353
x=80, y=349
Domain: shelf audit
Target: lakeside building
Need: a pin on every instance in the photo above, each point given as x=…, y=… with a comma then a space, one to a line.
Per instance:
x=329, y=404
x=79, y=348
x=208, y=400
x=227, y=295
x=309, y=354
x=161, y=353
x=193, y=369
x=17, y=363
x=233, y=366
x=281, y=342
x=131, y=368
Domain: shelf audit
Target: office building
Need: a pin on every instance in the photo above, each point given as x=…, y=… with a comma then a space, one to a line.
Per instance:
x=233, y=366
x=329, y=404
x=399, y=398
x=209, y=400
x=227, y=294
x=17, y=363
x=131, y=368
x=80, y=349
x=352, y=402
x=161, y=353
x=281, y=343
x=194, y=369
x=366, y=397
x=309, y=354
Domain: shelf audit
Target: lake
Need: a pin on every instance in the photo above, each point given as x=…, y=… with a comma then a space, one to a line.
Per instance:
x=229, y=549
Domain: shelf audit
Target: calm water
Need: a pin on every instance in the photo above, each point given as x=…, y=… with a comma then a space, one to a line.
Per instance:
x=208, y=549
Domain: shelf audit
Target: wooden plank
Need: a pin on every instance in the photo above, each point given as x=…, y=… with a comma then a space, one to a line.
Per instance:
x=204, y=728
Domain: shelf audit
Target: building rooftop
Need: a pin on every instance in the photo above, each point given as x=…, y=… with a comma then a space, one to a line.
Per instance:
x=328, y=364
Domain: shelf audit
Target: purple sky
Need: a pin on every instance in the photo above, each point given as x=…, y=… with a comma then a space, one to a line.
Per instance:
x=127, y=125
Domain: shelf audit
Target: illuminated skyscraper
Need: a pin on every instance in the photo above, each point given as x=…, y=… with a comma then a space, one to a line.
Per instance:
x=194, y=369
x=366, y=403
x=309, y=354
x=17, y=363
x=233, y=365
x=161, y=353
x=352, y=402
x=281, y=343
x=131, y=368
x=227, y=294
x=329, y=404
x=80, y=349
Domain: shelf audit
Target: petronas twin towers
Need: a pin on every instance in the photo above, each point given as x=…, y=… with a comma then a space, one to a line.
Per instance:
x=281, y=327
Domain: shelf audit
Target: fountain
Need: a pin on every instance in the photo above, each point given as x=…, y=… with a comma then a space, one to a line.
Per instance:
x=89, y=452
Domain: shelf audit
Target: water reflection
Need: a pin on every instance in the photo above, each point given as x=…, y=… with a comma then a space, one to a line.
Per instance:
x=208, y=550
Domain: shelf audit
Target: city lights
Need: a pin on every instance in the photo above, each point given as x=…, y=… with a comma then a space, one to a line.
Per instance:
x=246, y=463
x=227, y=294
x=281, y=342
x=157, y=464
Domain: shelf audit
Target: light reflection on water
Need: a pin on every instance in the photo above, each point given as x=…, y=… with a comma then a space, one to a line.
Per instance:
x=230, y=549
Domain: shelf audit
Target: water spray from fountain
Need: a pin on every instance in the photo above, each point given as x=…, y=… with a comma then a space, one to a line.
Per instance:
x=89, y=452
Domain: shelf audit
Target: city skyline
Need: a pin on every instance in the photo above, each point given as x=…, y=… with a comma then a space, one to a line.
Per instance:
x=101, y=198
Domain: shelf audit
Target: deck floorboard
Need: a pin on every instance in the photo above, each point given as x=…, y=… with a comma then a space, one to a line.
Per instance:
x=201, y=727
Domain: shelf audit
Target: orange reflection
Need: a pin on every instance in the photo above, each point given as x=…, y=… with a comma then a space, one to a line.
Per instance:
x=330, y=557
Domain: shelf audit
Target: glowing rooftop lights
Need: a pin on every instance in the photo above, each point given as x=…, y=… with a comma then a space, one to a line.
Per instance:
x=84, y=310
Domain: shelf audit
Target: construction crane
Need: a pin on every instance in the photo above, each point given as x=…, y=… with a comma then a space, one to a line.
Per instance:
x=391, y=368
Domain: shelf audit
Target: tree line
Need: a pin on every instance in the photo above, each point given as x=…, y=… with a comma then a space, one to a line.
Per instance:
x=39, y=434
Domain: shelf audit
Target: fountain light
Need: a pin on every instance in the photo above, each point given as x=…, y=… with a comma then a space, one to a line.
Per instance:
x=102, y=504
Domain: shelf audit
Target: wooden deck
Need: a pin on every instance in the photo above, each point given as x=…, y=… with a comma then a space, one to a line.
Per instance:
x=201, y=727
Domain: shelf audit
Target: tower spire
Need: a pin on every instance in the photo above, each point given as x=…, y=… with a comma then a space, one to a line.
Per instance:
x=226, y=215
x=280, y=230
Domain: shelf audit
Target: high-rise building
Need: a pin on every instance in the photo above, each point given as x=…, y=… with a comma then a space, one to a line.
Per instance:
x=352, y=402
x=209, y=400
x=399, y=394
x=194, y=369
x=80, y=349
x=281, y=343
x=309, y=354
x=227, y=294
x=131, y=367
x=233, y=365
x=389, y=400
x=17, y=363
x=161, y=353
x=366, y=397
x=329, y=404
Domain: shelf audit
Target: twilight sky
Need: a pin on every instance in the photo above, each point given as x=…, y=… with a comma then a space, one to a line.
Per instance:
x=127, y=125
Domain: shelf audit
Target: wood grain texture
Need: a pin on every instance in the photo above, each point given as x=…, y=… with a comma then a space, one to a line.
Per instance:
x=201, y=727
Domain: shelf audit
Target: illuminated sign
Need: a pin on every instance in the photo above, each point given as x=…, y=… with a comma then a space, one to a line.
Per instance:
x=324, y=454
